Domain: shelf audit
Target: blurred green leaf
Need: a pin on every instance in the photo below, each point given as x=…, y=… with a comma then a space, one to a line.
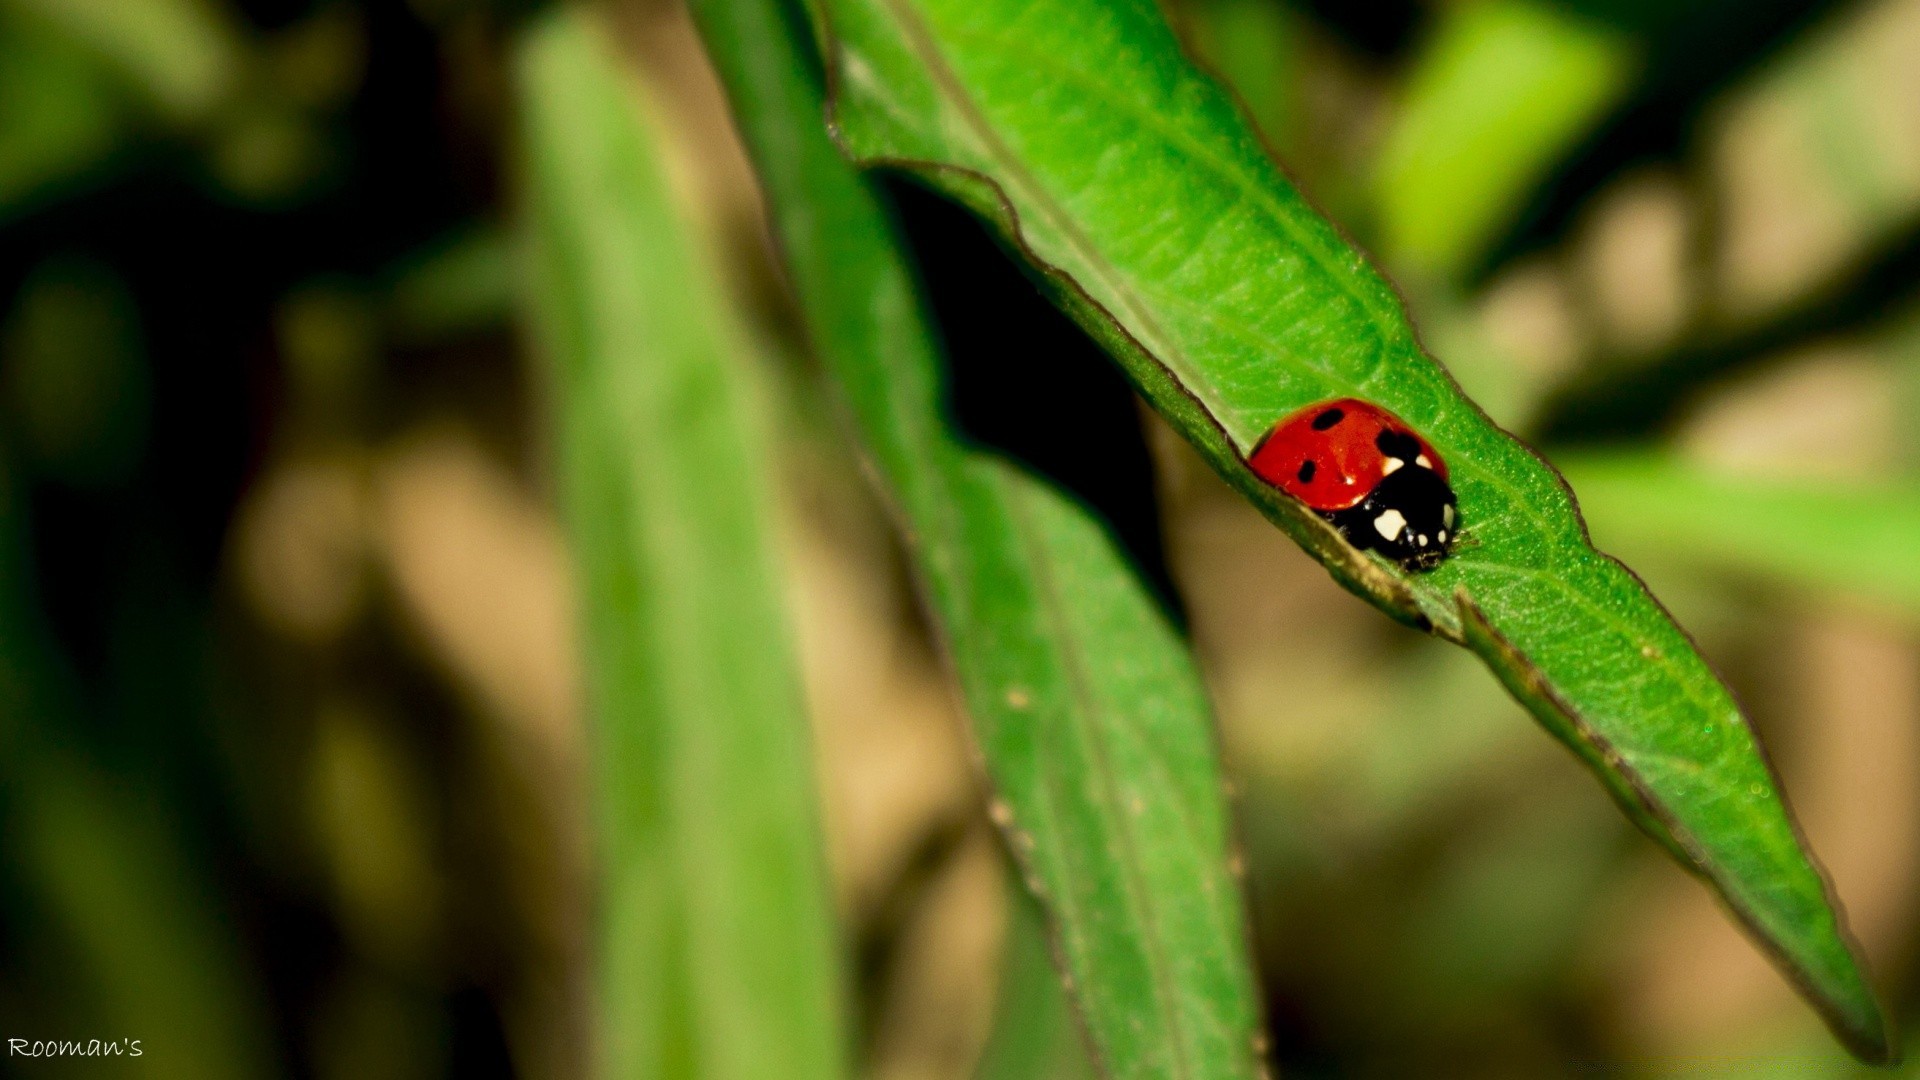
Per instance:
x=198, y=70
x=459, y=285
x=1135, y=185
x=156, y=955
x=184, y=55
x=73, y=373
x=1085, y=705
x=1846, y=538
x=1507, y=903
x=328, y=334
x=1497, y=95
x=717, y=951
x=59, y=110
x=119, y=910
x=266, y=151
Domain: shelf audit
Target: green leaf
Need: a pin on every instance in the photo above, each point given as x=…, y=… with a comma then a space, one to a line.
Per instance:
x=1498, y=93
x=1085, y=705
x=1034, y=1034
x=718, y=953
x=1133, y=183
x=1846, y=538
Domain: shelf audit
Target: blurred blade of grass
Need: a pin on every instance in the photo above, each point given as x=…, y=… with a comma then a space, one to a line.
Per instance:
x=1035, y=1034
x=119, y=910
x=1138, y=189
x=184, y=55
x=1499, y=92
x=718, y=955
x=59, y=111
x=459, y=285
x=1850, y=539
x=157, y=958
x=1085, y=705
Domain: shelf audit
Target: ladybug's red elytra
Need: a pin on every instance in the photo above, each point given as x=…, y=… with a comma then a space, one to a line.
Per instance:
x=1369, y=474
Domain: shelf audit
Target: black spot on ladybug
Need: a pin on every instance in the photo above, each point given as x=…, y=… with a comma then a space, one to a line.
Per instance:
x=1398, y=444
x=1306, y=472
x=1329, y=418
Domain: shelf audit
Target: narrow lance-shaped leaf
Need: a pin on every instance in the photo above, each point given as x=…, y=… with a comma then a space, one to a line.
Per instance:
x=717, y=953
x=1085, y=705
x=1131, y=180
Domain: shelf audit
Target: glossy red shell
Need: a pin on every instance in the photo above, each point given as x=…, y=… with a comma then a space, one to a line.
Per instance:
x=1327, y=455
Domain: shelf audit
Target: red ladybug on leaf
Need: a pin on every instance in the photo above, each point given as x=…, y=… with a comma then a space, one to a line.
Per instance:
x=1369, y=474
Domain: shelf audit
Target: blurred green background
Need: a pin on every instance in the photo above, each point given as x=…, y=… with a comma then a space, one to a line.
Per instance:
x=291, y=773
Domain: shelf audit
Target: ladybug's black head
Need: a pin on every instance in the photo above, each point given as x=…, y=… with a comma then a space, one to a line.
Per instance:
x=1409, y=517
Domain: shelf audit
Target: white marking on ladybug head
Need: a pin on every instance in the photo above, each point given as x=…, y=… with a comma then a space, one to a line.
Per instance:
x=1389, y=524
x=1446, y=514
x=1423, y=461
x=1443, y=536
x=1392, y=466
x=1421, y=539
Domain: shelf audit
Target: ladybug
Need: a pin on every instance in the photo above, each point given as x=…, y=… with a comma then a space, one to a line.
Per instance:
x=1369, y=474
